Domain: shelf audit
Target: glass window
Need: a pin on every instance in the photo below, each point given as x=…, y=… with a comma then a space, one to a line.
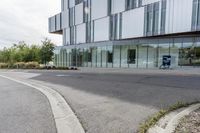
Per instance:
x=152, y=55
x=72, y=36
x=88, y=32
x=104, y=56
x=132, y=56
x=175, y=52
x=113, y=26
x=64, y=5
x=128, y=4
x=187, y=53
x=156, y=18
x=109, y=56
x=198, y=19
x=140, y=3
x=163, y=50
x=78, y=1
x=163, y=16
x=71, y=16
x=94, y=57
x=124, y=55
x=196, y=61
x=116, y=56
x=80, y=58
x=58, y=22
x=149, y=19
x=142, y=56
x=87, y=11
x=134, y=4
x=99, y=57
x=152, y=19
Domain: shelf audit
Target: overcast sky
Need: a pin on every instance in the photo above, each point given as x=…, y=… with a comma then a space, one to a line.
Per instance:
x=27, y=20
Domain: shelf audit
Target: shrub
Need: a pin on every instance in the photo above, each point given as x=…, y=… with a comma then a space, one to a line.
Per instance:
x=31, y=65
x=19, y=65
x=3, y=65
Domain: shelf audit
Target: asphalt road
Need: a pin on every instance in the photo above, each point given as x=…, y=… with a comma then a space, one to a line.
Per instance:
x=24, y=110
x=118, y=103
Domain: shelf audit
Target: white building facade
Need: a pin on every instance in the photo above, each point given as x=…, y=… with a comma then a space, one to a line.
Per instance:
x=127, y=33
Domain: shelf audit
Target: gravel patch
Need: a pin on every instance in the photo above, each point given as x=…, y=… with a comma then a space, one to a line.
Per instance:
x=190, y=123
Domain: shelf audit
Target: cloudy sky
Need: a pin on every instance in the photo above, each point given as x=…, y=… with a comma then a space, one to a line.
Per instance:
x=27, y=20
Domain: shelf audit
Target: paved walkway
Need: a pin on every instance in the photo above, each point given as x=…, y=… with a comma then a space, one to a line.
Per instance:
x=24, y=110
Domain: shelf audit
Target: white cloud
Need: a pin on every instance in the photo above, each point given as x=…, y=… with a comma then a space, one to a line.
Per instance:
x=26, y=20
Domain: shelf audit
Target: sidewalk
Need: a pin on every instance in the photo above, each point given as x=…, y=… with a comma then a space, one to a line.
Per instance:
x=175, y=71
x=24, y=110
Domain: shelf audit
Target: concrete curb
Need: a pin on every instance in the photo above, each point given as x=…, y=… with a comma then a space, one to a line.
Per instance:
x=173, y=123
x=174, y=120
x=65, y=119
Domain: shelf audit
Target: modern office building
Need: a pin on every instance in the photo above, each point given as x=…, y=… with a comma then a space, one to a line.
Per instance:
x=127, y=33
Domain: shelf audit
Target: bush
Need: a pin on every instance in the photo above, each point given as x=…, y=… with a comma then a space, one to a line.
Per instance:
x=23, y=65
x=19, y=65
x=31, y=65
x=3, y=65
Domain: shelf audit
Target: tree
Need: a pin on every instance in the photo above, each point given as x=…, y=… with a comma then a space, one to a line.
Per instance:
x=47, y=51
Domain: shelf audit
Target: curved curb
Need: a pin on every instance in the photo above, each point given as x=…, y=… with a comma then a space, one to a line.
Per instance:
x=173, y=121
x=65, y=119
x=172, y=124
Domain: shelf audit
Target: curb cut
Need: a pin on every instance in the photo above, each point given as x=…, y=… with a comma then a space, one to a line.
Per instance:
x=65, y=119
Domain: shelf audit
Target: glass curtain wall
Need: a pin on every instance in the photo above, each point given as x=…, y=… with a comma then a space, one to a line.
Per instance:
x=124, y=56
x=196, y=61
x=175, y=52
x=104, y=56
x=99, y=56
x=153, y=55
x=142, y=55
x=85, y=57
x=110, y=56
x=132, y=56
x=188, y=52
x=116, y=56
x=94, y=57
x=163, y=50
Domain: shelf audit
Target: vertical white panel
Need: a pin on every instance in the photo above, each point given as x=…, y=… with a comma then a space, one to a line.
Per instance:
x=178, y=16
x=101, y=29
x=99, y=8
x=65, y=19
x=79, y=14
x=133, y=23
x=118, y=6
x=80, y=34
